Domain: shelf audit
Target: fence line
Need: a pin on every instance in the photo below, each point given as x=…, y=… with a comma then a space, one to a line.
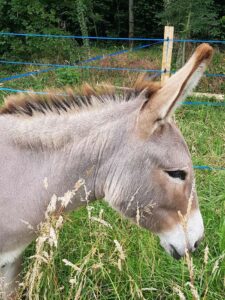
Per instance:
x=95, y=58
x=78, y=66
x=198, y=103
x=94, y=67
x=26, y=74
x=208, y=168
x=120, y=52
x=56, y=66
x=106, y=38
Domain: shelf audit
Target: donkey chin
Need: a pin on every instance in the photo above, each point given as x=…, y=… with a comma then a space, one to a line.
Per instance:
x=183, y=237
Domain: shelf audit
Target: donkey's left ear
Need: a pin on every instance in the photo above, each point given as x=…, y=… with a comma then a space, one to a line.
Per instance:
x=161, y=105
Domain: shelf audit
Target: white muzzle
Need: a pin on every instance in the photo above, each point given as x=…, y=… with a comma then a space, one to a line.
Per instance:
x=178, y=239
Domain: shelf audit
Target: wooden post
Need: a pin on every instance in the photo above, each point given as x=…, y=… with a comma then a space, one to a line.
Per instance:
x=167, y=53
x=131, y=22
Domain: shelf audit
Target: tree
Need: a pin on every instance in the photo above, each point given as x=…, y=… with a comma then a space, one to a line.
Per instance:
x=146, y=18
x=220, y=7
x=191, y=18
x=131, y=21
x=81, y=15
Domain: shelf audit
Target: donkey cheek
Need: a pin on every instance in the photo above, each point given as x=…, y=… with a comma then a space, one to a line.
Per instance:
x=165, y=220
x=174, y=195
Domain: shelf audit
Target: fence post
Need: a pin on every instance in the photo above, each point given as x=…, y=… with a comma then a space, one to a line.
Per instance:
x=167, y=53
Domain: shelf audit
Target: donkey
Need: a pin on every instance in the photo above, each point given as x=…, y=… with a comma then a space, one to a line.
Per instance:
x=129, y=152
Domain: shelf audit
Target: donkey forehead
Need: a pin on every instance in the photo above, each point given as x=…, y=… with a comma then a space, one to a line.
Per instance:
x=169, y=147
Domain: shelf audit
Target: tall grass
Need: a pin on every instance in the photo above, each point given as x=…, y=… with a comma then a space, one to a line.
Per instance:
x=99, y=255
x=93, y=253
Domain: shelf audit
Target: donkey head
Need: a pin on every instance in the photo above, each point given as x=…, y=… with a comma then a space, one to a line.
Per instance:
x=156, y=174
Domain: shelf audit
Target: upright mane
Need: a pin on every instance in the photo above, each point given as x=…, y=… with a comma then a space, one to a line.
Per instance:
x=73, y=100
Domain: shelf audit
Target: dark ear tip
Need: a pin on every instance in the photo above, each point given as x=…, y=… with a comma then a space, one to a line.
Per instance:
x=204, y=52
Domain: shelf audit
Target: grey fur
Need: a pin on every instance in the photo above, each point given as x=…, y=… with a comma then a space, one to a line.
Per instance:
x=103, y=145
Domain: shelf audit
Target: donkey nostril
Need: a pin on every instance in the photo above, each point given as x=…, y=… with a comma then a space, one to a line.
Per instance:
x=197, y=244
x=175, y=253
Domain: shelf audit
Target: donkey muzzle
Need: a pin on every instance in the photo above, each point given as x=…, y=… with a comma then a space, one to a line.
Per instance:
x=178, y=239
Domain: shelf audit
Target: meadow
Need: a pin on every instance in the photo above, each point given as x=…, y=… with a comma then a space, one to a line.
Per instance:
x=97, y=254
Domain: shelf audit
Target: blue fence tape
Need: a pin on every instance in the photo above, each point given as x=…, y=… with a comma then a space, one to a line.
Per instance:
x=54, y=66
x=95, y=58
x=121, y=52
x=79, y=67
x=208, y=168
x=106, y=38
x=18, y=76
x=215, y=75
x=93, y=67
x=203, y=103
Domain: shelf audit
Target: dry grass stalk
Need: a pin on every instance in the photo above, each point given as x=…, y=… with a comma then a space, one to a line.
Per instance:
x=188, y=258
x=132, y=199
x=204, y=271
x=98, y=219
x=206, y=255
x=138, y=216
x=73, y=266
x=46, y=243
x=216, y=264
x=178, y=291
x=101, y=221
x=184, y=224
x=135, y=291
x=78, y=293
x=121, y=254
x=206, y=292
x=190, y=266
x=184, y=218
x=78, y=274
x=194, y=291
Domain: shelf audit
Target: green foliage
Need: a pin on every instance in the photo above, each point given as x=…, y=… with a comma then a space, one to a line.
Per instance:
x=146, y=20
x=196, y=19
x=222, y=23
x=81, y=15
x=33, y=17
x=68, y=77
x=191, y=18
x=220, y=8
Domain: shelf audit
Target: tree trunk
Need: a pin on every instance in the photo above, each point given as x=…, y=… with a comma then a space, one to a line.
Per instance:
x=131, y=21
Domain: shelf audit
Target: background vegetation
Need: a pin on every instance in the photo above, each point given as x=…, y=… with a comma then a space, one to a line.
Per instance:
x=191, y=18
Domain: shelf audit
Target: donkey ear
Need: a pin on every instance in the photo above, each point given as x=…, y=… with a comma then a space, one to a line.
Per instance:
x=161, y=105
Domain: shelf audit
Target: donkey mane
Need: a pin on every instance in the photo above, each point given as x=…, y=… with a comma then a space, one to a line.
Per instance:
x=74, y=100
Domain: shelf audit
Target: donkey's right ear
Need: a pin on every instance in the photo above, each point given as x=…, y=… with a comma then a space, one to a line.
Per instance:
x=162, y=103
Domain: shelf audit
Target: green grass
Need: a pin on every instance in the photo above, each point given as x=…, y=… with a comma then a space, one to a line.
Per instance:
x=147, y=268
x=147, y=271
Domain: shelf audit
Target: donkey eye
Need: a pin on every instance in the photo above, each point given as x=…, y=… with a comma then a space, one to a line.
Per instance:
x=177, y=174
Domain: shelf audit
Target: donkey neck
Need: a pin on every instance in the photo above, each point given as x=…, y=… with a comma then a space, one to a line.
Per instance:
x=68, y=147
